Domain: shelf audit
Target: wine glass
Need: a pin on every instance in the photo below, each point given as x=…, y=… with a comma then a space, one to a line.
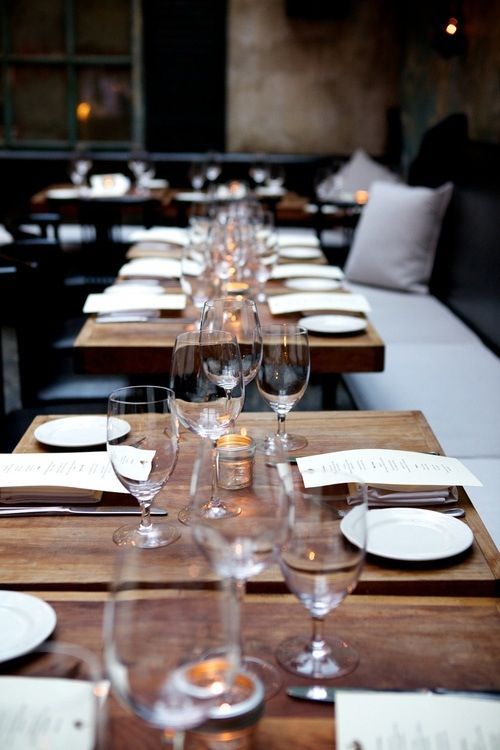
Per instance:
x=197, y=278
x=259, y=170
x=142, y=444
x=239, y=317
x=213, y=167
x=321, y=562
x=237, y=548
x=283, y=374
x=78, y=171
x=207, y=378
x=266, y=250
x=171, y=654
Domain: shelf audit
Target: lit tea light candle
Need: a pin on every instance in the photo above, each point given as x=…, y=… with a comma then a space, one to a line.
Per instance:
x=235, y=461
x=237, y=287
x=361, y=197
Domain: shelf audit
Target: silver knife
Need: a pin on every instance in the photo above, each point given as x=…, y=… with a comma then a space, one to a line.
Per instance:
x=322, y=694
x=75, y=510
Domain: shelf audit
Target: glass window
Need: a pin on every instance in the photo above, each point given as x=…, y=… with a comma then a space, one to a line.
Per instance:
x=36, y=26
x=39, y=110
x=104, y=104
x=102, y=27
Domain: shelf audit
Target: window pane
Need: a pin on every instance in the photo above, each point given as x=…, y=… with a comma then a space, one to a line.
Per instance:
x=102, y=27
x=104, y=109
x=36, y=26
x=39, y=102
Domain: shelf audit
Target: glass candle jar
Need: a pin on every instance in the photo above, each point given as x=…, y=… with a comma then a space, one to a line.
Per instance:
x=232, y=724
x=235, y=461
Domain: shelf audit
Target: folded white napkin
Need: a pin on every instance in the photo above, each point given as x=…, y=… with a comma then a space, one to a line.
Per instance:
x=171, y=235
x=97, y=303
x=162, y=268
x=103, y=185
x=385, y=498
x=311, y=270
x=286, y=303
x=298, y=237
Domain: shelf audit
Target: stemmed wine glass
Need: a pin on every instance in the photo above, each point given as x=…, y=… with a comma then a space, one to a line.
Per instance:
x=238, y=548
x=79, y=169
x=171, y=654
x=207, y=378
x=284, y=374
x=239, y=317
x=143, y=444
x=321, y=562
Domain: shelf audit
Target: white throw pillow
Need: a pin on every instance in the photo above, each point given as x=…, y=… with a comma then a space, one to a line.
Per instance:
x=361, y=171
x=394, y=244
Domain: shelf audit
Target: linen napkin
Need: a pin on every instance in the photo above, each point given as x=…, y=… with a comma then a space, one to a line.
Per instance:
x=162, y=268
x=171, y=235
x=107, y=303
x=297, y=270
x=297, y=238
x=384, y=498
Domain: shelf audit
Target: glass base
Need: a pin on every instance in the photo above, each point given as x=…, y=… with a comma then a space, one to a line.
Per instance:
x=266, y=673
x=210, y=510
x=335, y=659
x=292, y=442
x=159, y=535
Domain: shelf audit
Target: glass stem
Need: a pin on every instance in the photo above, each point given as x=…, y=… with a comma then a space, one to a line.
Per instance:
x=318, y=644
x=239, y=590
x=145, y=524
x=173, y=740
x=214, y=500
x=281, y=433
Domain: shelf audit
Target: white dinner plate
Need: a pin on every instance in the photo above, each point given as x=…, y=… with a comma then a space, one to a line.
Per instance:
x=75, y=432
x=25, y=622
x=411, y=534
x=310, y=284
x=62, y=193
x=302, y=253
x=333, y=324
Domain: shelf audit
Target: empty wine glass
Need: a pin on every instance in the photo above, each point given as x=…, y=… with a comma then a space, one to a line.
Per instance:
x=284, y=374
x=238, y=548
x=196, y=175
x=171, y=654
x=141, y=168
x=213, y=167
x=266, y=250
x=321, y=562
x=259, y=170
x=142, y=444
x=207, y=379
x=197, y=277
x=78, y=171
x=239, y=317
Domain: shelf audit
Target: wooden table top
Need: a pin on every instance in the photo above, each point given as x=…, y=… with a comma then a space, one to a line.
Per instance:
x=73, y=552
x=146, y=348
x=404, y=643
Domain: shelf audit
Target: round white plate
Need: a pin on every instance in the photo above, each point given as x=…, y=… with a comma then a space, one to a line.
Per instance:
x=411, y=534
x=75, y=432
x=62, y=193
x=333, y=324
x=269, y=191
x=25, y=622
x=310, y=284
x=302, y=253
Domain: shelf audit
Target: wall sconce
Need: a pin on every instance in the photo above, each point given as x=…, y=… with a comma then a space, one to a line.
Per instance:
x=450, y=39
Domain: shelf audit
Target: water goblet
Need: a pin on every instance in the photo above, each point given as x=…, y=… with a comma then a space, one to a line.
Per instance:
x=239, y=317
x=207, y=379
x=142, y=445
x=197, y=277
x=171, y=654
x=321, y=562
x=78, y=171
x=238, y=548
x=259, y=170
x=284, y=374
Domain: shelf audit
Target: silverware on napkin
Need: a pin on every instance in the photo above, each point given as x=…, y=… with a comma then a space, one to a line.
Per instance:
x=75, y=510
x=141, y=318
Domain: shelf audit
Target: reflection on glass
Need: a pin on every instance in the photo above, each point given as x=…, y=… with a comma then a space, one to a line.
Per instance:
x=107, y=92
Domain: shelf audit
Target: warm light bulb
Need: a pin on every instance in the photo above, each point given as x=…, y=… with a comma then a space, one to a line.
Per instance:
x=83, y=111
x=452, y=26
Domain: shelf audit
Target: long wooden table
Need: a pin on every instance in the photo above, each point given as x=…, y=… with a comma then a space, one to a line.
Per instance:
x=146, y=348
x=415, y=626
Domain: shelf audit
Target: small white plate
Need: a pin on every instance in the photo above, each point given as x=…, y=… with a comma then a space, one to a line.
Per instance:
x=411, y=534
x=333, y=324
x=75, y=432
x=25, y=622
x=310, y=284
x=62, y=193
x=302, y=253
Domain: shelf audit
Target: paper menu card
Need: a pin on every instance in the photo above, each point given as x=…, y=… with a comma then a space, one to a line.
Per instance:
x=37, y=713
x=90, y=470
x=286, y=303
x=296, y=270
x=367, y=720
x=161, y=268
x=384, y=467
x=105, y=303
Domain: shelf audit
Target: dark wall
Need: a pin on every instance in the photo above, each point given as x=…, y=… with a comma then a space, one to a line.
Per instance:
x=185, y=74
